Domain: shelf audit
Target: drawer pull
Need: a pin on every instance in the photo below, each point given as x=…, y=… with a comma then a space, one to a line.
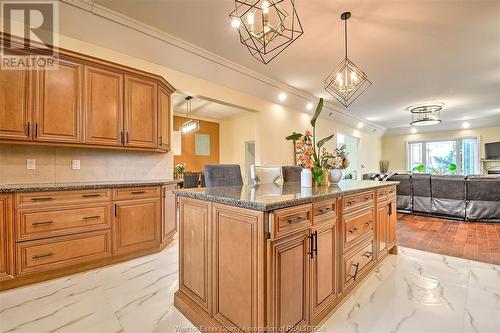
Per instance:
x=41, y=256
x=352, y=230
x=369, y=222
x=355, y=272
x=325, y=210
x=93, y=195
x=36, y=224
x=296, y=220
x=349, y=203
x=138, y=192
x=311, y=245
x=91, y=217
x=368, y=254
x=42, y=199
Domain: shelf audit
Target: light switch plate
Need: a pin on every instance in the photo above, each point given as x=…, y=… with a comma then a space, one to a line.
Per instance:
x=75, y=164
x=30, y=164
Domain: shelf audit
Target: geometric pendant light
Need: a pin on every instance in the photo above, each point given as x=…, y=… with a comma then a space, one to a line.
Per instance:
x=426, y=115
x=266, y=27
x=190, y=125
x=347, y=82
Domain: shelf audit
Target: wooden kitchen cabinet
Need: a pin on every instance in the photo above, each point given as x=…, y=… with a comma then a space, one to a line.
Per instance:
x=135, y=225
x=393, y=216
x=58, y=105
x=141, y=115
x=163, y=119
x=169, y=213
x=382, y=228
x=6, y=238
x=103, y=107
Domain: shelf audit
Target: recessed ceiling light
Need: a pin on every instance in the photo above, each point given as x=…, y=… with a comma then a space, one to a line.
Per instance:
x=465, y=125
x=282, y=97
x=360, y=125
x=235, y=23
x=310, y=106
x=413, y=130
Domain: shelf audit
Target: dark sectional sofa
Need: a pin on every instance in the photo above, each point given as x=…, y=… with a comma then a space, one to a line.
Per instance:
x=471, y=198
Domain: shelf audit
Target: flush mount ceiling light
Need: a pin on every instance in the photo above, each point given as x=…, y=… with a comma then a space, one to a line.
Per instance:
x=347, y=82
x=266, y=27
x=191, y=125
x=426, y=115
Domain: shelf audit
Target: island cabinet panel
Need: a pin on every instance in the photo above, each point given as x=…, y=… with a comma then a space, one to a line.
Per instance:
x=141, y=116
x=103, y=107
x=6, y=238
x=16, y=104
x=163, y=119
x=169, y=213
x=238, y=258
x=357, y=263
x=58, y=106
x=391, y=233
x=195, y=252
x=289, y=281
x=136, y=225
x=382, y=228
x=357, y=224
x=324, y=269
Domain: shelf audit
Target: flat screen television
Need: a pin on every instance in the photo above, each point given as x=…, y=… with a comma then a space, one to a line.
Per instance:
x=492, y=151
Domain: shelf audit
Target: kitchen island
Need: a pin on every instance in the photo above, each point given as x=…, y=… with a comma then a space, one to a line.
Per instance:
x=279, y=257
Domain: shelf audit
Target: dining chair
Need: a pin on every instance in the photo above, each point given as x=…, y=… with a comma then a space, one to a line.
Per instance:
x=223, y=175
x=265, y=174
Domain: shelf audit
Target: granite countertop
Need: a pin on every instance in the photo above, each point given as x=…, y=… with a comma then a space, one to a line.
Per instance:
x=267, y=197
x=12, y=188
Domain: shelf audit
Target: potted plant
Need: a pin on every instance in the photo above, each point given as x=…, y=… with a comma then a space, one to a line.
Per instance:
x=310, y=149
x=179, y=170
x=335, y=162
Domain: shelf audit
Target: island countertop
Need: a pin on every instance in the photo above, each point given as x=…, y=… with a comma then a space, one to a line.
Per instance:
x=267, y=197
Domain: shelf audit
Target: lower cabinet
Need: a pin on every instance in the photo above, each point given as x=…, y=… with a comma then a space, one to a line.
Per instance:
x=382, y=228
x=393, y=216
x=168, y=213
x=357, y=262
x=6, y=238
x=136, y=225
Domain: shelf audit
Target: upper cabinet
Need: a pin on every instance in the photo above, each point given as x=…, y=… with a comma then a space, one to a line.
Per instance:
x=86, y=101
x=141, y=112
x=58, y=106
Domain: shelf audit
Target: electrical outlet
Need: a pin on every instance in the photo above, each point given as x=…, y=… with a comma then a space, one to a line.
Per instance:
x=75, y=164
x=30, y=165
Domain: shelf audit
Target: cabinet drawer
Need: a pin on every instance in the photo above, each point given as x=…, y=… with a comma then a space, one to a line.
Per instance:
x=289, y=220
x=325, y=211
x=50, y=198
x=36, y=224
x=357, y=262
x=135, y=192
x=356, y=201
x=386, y=193
x=356, y=225
x=42, y=255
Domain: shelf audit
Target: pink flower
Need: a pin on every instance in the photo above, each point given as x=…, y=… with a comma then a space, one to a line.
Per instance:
x=308, y=133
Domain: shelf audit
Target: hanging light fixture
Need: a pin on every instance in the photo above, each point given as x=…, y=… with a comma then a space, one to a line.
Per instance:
x=347, y=82
x=266, y=27
x=426, y=115
x=191, y=125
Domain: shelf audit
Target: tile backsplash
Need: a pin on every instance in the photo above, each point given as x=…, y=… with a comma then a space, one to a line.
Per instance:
x=53, y=164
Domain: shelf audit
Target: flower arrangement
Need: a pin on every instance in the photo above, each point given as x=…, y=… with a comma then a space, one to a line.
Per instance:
x=179, y=170
x=335, y=160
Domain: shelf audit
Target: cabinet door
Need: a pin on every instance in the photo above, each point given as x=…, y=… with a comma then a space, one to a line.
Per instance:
x=169, y=213
x=58, y=103
x=15, y=104
x=382, y=227
x=103, y=107
x=6, y=236
x=393, y=217
x=141, y=114
x=136, y=225
x=324, y=270
x=163, y=119
x=289, y=292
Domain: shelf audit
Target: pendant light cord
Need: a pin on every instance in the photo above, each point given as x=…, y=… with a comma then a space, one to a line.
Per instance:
x=345, y=33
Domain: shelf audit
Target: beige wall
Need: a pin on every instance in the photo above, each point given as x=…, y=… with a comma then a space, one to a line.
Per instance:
x=394, y=146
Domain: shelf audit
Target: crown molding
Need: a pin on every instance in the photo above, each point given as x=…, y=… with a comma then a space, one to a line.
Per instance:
x=114, y=16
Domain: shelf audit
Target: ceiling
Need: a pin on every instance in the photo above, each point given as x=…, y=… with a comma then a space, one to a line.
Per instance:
x=413, y=51
x=204, y=109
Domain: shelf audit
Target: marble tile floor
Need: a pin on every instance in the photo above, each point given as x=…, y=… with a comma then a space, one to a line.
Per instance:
x=413, y=292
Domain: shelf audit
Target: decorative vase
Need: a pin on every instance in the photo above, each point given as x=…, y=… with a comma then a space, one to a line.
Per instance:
x=326, y=176
x=318, y=176
x=336, y=176
x=306, y=178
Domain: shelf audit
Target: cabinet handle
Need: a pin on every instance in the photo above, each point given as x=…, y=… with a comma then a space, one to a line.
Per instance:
x=349, y=203
x=42, y=199
x=311, y=245
x=138, y=192
x=390, y=208
x=296, y=220
x=369, y=222
x=316, y=242
x=126, y=137
x=325, y=210
x=355, y=272
x=50, y=254
x=122, y=138
x=91, y=195
x=28, y=129
x=36, y=130
x=353, y=230
x=95, y=217
x=368, y=254
x=36, y=224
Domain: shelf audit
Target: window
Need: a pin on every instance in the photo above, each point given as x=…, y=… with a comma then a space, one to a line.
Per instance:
x=450, y=156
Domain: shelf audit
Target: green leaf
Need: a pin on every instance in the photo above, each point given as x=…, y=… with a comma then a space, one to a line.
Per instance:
x=420, y=168
x=324, y=140
x=319, y=108
x=453, y=167
x=294, y=136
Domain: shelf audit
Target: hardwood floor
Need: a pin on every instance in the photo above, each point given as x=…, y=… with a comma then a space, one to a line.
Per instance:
x=469, y=240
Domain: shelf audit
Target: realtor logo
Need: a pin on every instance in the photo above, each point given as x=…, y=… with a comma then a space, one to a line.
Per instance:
x=37, y=24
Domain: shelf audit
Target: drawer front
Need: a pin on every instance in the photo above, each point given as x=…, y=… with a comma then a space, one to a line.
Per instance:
x=42, y=255
x=289, y=220
x=357, y=262
x=36, y=224
x=386, y=193
x=136, y=192
x=356, y=201
x=324, y=211
x=43, y=199
x=357, y=225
